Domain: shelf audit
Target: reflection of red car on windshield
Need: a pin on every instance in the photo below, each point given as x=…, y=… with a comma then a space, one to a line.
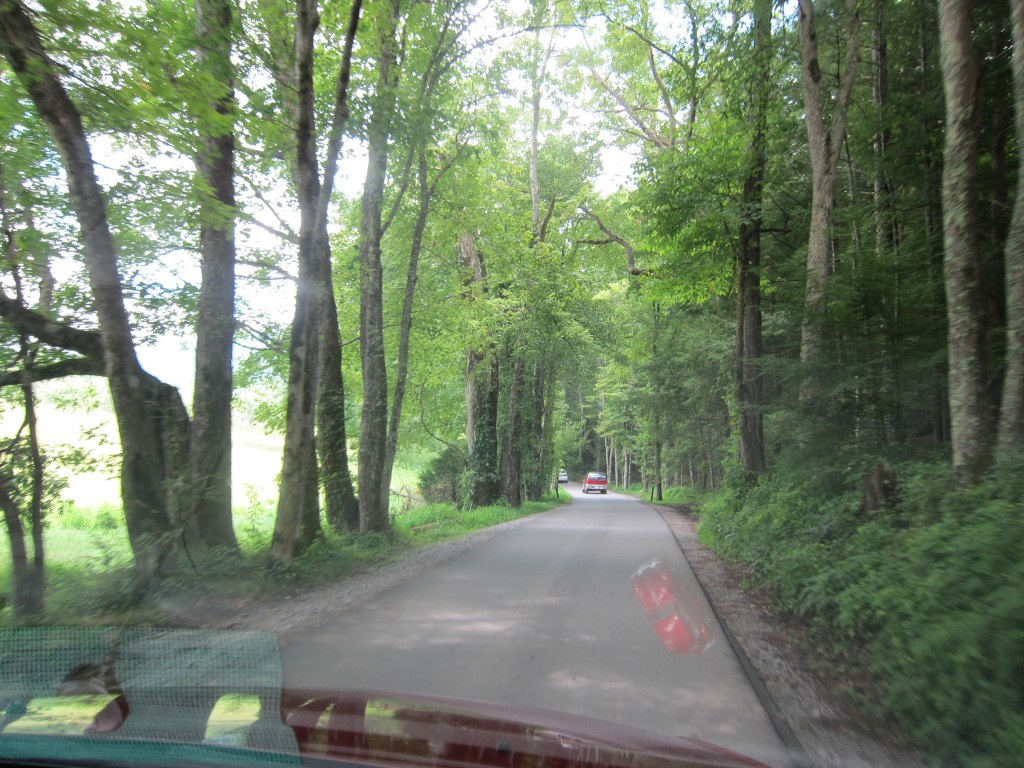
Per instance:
x=595, y=481
x=679, y=620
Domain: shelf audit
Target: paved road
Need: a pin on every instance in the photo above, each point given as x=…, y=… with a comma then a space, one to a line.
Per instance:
x=545, y=615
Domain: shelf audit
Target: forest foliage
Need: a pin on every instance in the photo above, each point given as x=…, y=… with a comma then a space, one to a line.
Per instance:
x=389, y=228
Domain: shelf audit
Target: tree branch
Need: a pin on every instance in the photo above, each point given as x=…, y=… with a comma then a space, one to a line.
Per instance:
x=79, y=366
x=615, y=238
x=547, y=219
x=269, y=266
x=630, y=110
x=52, y=332
x=423, y=422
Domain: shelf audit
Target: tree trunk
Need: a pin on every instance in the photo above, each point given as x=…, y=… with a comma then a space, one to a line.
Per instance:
x=749, y=347
x=512, y=452
x=145, y=474
x=535, y=86
x=28, y=576
x=481, y=397
x=538, y=439
x=298, y=477
x=824, y=144
x=373, y=429
x=315, y=351
x=27, y=589
x=482, y=427
x=210, y=452
x=332, y=431
x=1011, y=411
x=405, y=327
x=35, y=589
x=547, y=435
x=970, y=419
x=880, y=92
x=309, y=522
x=657, y=471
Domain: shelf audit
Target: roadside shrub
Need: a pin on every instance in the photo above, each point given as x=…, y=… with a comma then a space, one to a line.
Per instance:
x=441, y=480
x=681, y=494
x=950, y=640
x=928, y=595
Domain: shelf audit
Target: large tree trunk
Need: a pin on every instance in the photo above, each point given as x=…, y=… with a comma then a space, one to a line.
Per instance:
x=1011, y=411
x=969, y=415
x=512, y=450
x=315, y=352
x=332, y=431
x=658, y=490
x=482, y=426
x=27, y=582
x=373, y=429
x=536, y=480
x=880, y=93
x=546, y=436
x=314, y=197
x=824, y=144
x=749, y=347
x=211, y=404
x=332, y=434
x=145, y=472
x=481, y=396
x=298, y=489
x=656, y=416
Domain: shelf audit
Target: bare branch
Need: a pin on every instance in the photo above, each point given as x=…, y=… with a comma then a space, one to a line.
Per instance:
x=79, y=366
x=547, y=219
x=423, y=422
x=269, y=266
x=52, y=332
x=615, y=238
x=634, y=115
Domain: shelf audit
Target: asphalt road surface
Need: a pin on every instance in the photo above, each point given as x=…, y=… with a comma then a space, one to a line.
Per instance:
x=546, y=615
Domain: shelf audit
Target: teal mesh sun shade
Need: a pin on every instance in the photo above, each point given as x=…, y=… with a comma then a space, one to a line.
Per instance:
x=171, y=681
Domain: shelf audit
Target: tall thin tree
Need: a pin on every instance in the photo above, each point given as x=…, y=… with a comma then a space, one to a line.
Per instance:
x=210, y=452
x=1011, y=410
x=970, y=420
x=373, y=428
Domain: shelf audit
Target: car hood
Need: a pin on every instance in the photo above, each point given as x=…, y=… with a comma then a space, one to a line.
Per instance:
x=186, y=697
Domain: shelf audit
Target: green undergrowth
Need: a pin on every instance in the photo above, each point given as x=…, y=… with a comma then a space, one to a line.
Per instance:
x=439, y=522
x=674, y=495
x=926, y=596
x=89, y=566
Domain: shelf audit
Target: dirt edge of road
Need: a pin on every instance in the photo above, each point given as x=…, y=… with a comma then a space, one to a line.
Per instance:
x=812, y=714
x=291, y=615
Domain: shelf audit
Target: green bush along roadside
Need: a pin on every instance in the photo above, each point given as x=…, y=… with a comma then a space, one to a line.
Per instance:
x=927, y=596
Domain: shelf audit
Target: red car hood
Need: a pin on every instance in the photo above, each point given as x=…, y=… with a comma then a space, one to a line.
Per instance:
x=145, y=697
x=380, y=728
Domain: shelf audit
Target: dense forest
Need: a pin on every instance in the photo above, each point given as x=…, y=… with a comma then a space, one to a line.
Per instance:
x=768, y=256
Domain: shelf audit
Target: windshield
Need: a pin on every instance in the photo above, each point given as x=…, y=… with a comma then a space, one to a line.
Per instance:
x=511, y=383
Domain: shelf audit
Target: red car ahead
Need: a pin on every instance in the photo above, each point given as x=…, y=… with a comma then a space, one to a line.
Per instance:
x=595, y=481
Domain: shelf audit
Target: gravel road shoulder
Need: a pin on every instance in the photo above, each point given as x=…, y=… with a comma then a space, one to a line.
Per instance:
x=297, y=613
